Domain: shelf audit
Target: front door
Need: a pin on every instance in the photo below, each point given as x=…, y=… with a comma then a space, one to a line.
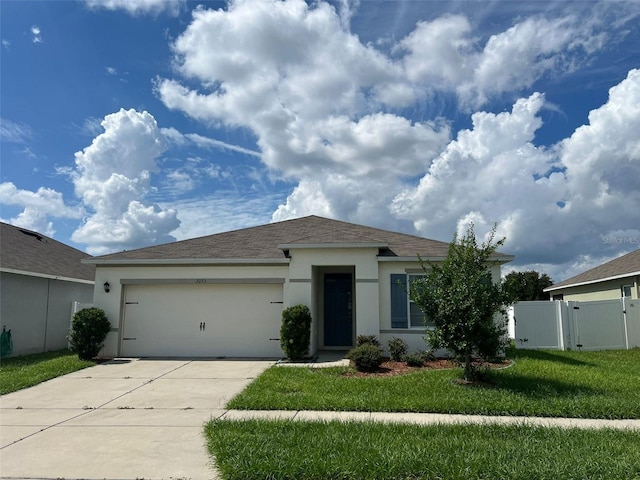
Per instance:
x=338, y=303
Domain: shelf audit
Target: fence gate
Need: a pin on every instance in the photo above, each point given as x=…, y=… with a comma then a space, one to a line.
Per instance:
x=599, y=325
x=632, y=318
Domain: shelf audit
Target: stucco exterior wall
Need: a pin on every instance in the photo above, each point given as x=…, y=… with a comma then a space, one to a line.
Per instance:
x=305, y=285
x=415, y=337
x=118, y=276
x=609, y=290
x=302, y=284
x=37, y=310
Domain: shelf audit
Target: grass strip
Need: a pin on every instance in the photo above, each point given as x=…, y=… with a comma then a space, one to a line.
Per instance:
x=262, y=449
x=541, y=383
x=17, y=373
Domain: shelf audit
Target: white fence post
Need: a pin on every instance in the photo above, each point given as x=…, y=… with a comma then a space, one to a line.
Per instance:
x=75, y=308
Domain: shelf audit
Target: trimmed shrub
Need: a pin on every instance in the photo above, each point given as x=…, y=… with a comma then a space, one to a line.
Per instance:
x=366, y=357
x=414, y=360
x=89, y=328
x=428, y=355
x=295, y=332
x=397, y=349
x=367, y=340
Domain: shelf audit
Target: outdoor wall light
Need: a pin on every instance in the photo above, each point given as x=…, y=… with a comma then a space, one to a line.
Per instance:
x=107, y=287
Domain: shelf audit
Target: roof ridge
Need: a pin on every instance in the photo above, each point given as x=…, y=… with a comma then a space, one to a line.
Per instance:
x=593, y=274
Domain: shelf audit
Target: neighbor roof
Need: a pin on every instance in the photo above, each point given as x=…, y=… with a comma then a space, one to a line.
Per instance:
x=26, y=251
x=625, y=266
x=270, y=243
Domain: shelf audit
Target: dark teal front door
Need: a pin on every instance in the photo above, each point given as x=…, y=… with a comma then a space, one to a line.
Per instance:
x=338, y=319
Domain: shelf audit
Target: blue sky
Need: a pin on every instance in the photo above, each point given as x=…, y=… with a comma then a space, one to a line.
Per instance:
x=126, y=124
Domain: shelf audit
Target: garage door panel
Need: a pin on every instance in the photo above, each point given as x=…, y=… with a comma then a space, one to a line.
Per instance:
x=202, y=320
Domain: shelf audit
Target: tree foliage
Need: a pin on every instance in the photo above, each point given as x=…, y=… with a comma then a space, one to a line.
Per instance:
x=462, y=301
x=528, y=285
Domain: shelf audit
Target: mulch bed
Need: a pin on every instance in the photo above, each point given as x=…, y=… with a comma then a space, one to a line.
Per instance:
x=390, y=368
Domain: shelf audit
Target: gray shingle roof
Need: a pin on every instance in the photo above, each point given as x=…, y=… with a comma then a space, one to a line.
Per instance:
x=626, y=265
x=28, y=251
x=264, y=242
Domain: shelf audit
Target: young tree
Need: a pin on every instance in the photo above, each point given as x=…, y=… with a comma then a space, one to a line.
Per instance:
x=460, y=298
x=529, y=285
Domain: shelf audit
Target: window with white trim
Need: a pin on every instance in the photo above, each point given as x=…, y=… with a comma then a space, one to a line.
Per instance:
x=404, y=313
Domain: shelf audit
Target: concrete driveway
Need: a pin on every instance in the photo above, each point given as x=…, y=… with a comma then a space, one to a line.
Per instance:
x=125, y=419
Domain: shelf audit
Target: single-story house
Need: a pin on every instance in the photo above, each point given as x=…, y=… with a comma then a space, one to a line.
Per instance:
x=40, y=279
x=612, y=280
x=223, y=294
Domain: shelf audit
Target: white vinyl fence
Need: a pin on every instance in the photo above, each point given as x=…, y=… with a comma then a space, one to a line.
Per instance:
x=560, y=325
x=75, y=308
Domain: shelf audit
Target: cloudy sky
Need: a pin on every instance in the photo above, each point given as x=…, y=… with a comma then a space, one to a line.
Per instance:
x=126, y=124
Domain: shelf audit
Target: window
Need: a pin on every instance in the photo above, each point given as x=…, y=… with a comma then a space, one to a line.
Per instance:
x=626, y=290
x=405, y=313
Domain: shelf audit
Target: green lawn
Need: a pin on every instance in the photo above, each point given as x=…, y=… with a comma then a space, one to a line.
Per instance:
x=260, y=449
x=17, y=373
x=602, y=384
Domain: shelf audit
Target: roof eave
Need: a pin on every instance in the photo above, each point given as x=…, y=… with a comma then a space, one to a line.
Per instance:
x=591, y=282
x=186, y=261
x=46, y=275
x=382, y=258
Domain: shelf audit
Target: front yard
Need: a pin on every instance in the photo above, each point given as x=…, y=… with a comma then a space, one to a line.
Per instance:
x=539, y=383
x=305, y=450
x=17, y=373
x=603, y=384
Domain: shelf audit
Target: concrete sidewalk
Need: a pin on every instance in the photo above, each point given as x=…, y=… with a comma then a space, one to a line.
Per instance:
x=428, y=418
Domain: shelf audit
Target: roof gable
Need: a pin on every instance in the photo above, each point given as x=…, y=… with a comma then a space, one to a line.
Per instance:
x=24, y=250
x=626, y=265
x=265, y=242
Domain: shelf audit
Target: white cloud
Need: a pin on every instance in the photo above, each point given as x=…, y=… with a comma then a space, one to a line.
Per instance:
x=139, y=7
x=36, y=34
x=38, y=207
x=180, y=139
x=480, y=174
x=306, y=199
x=272, y=61
x=222, y=211
x=6, y=43
x=113, y=177
x=353, y=169
x=444, y=54
x=14, y=132
x=494, y=172
x=328, y=112
x=206, y=142
x=440, y=52
x=274, y=68
x=112, y=71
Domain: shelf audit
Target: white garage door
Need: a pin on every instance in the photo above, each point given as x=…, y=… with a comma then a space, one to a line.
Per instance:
x=192, y=320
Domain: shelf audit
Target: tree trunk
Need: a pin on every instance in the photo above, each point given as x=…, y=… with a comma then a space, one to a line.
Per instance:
x=468, y=366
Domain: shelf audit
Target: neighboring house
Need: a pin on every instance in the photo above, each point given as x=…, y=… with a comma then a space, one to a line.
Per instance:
x=40, y=278
x=223, y=295
x=612, y=280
